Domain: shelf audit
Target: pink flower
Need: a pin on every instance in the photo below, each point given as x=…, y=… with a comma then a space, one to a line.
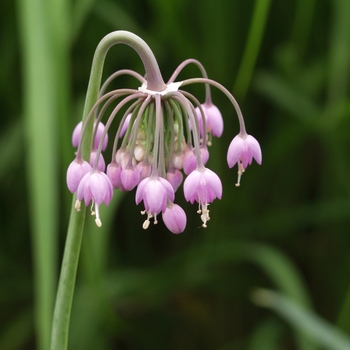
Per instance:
x=130, y=177
x=202, y=186
x=144, y=169
x=125, y=125
x=75, y=172
x=95, y=186
x=174, y=176
x=101, y=165
x=99, y=132
x=190, y=160
x=154, y=191
x=113, y=172
x=243, y=149
x=174, y=218
x=213, y=118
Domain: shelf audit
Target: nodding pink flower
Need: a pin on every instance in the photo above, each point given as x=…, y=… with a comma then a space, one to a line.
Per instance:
x=144, y=169
x=242, y=150
x=113, y=172
x=174, y=176
x=99, y=133
x=95, y=186
x=130, y=177
x=174, y=218
x=154, y=191
x=75, y=172
x=101, y=165
x=100, y=129
x=125, y=125
x=190, y=160
x=213, y=119
x=202, y=186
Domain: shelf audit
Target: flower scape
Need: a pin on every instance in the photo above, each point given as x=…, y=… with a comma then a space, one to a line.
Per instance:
x=163, y=135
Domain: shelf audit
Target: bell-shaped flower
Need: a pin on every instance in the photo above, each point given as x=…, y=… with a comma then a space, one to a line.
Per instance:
x=242, y=150
x=174, y=176
x=190, y=160
x=174, y=218
x=95, y=186
x=113, y=172
x=154, y=191
x=100, y=129
x=144, y=169
x=75, y=172
x=130, y=177
x=213, y=119
x=125, y=125
x=101, y=165
x=202, y=186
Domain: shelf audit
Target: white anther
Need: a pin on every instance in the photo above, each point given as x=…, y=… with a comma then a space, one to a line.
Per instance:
x=97, y=213
x=77, y=205
x=145, y=225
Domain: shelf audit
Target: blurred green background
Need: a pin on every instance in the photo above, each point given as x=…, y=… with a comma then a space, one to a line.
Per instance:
x=286, y=228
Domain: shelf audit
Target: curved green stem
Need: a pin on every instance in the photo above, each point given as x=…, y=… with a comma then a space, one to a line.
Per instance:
x=154, y=78
x=61, y=318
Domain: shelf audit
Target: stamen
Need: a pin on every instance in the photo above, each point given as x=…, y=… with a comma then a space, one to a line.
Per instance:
x=205, y=214
x=146, y=223
x=97, y=212
x=240, y=173
x=77, y=205
x=209, y=139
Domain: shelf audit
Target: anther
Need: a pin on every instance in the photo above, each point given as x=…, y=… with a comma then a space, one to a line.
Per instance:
x=240, y=173
x=77, y=205
x=97, y=213
x=145, y=225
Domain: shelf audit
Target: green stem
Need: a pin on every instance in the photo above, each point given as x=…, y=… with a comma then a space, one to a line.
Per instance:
x=154, y=78
x=60, y=325
x=61, y=318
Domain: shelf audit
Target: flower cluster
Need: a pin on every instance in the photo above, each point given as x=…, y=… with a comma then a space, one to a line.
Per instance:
x=162, y=136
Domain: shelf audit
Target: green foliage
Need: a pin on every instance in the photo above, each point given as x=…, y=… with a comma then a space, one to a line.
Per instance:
x=285, y=228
